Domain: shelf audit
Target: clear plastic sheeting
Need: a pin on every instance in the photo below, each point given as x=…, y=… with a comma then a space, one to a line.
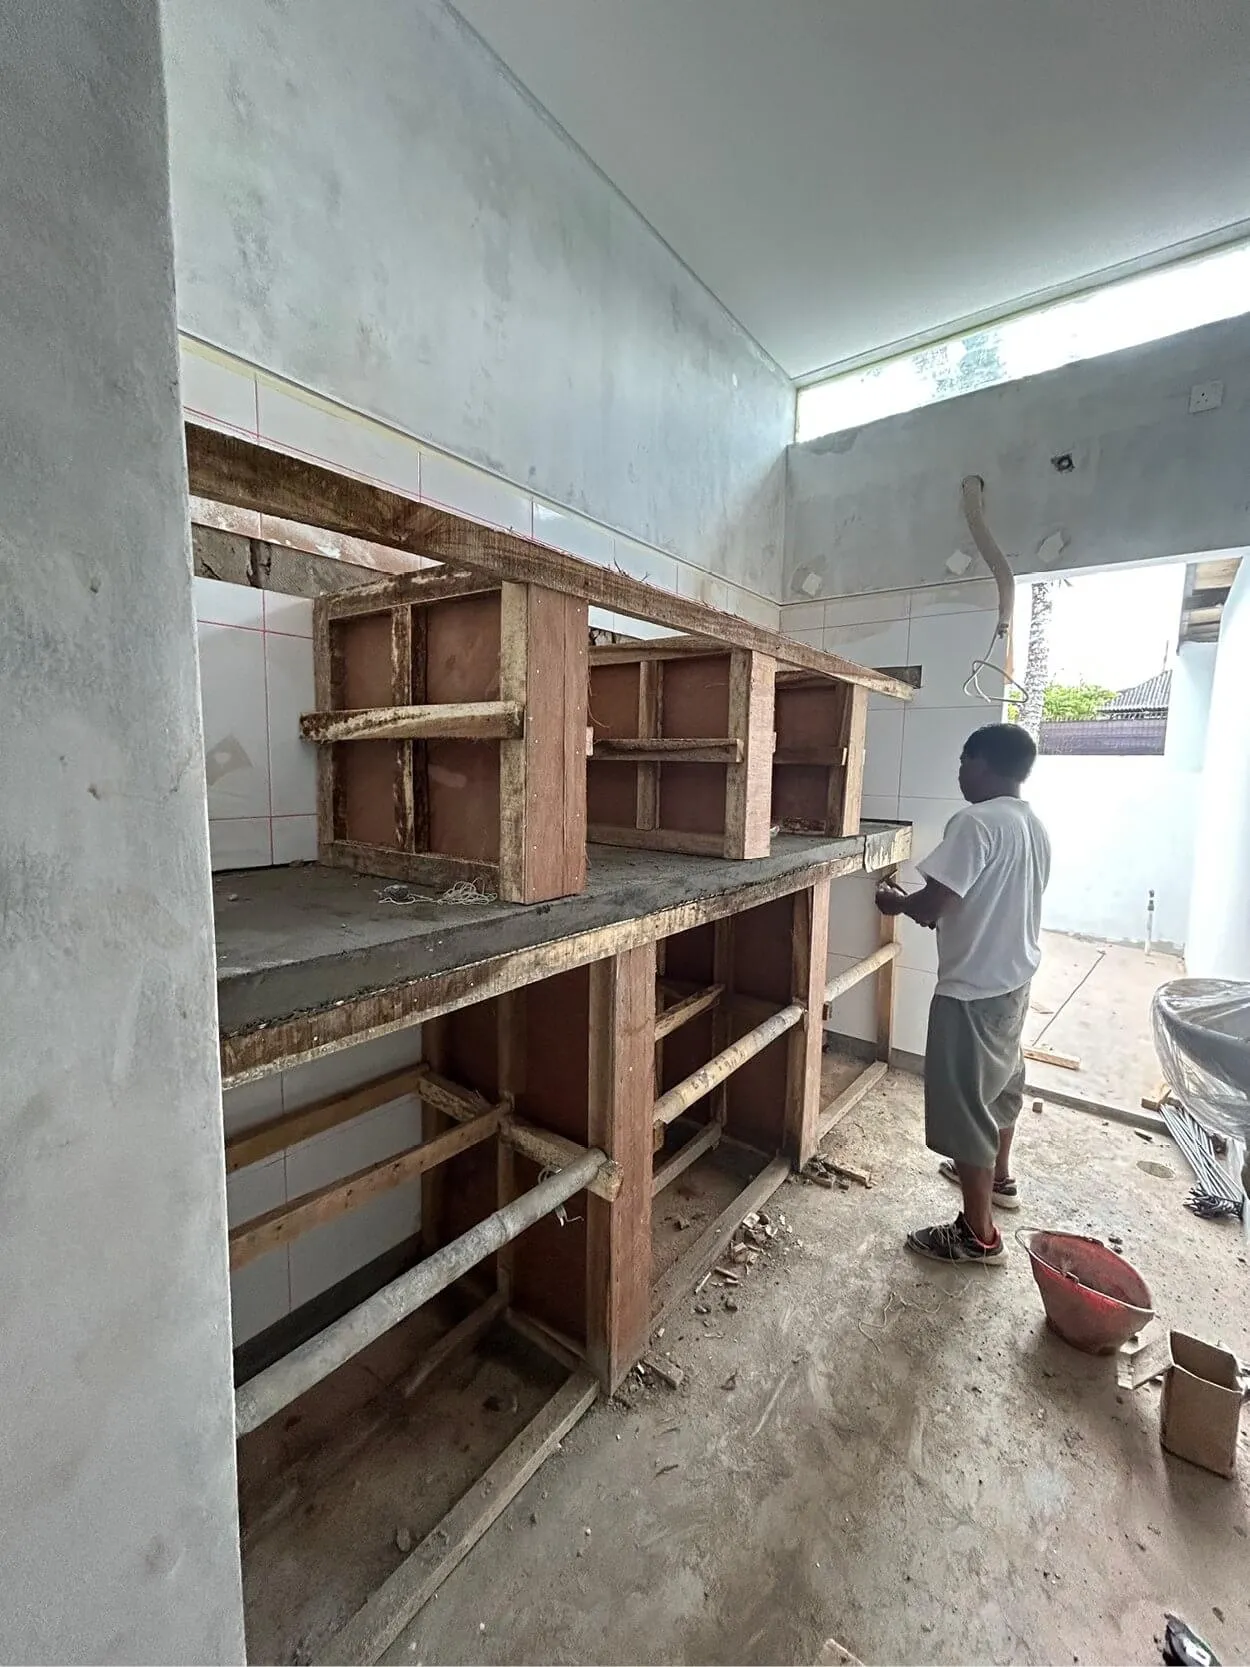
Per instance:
x=1202, y=1037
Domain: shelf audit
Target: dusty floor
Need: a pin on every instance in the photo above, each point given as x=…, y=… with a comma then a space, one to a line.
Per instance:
x=906, y=1459
x=1092, y=1000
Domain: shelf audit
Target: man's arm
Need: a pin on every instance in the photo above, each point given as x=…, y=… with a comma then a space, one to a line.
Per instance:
x=923, y=906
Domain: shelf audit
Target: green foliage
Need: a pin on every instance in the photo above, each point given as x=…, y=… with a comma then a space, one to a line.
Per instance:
x=1074, y=700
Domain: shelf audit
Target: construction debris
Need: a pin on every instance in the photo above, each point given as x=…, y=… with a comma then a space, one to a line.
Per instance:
x=664, y=1369
x=823, y=1172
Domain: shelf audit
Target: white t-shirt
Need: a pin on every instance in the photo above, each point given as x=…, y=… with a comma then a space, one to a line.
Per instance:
x=995, y=857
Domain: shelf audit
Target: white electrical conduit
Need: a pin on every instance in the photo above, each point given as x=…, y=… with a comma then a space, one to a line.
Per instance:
x=972, y=493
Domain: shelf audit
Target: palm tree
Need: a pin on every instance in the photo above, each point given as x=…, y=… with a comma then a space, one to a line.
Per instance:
x=1037, y=666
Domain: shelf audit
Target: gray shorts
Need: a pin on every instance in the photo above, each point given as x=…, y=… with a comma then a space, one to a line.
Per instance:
x=973, y=1074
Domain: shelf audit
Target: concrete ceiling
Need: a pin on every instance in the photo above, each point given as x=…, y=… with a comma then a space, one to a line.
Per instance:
x=847, y=174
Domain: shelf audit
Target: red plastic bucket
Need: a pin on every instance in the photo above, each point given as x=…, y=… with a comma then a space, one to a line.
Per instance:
x=1093, y=1298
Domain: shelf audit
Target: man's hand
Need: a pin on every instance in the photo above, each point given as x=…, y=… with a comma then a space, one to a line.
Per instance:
x=923, y=906
x=891, y=898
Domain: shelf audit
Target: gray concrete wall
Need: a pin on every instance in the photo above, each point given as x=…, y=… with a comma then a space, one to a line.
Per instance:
x=878, y=508
x=118, y=1539
x=365, y=202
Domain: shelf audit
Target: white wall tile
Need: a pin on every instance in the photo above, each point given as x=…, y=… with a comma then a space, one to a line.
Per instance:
x=861, y=610
x=933, y=738
x=704, y=587
x=372, y=1138
x=945, y=647
x=219, y=603
x=226, y=397
x=292, y=760
x=599, y=619
x=564, y=530
x=642, y=628
x=872, y=643
x=651, y=566
x=342, y=440
x=242, y=842
x=802, y=616
x=967, y=596
x=294, y=839
x=853, y=917
x=292, y=616
x=917, y=946
x=236, y=745
x=855, y=1013
x=472, y=492
x=252, y=1191
x=252, y=1103
x=759, y=610
x=813, y=636
x=350, y=1067
x=884, y=752
x=880, y=807
x=260, y=1294
x=913, y=992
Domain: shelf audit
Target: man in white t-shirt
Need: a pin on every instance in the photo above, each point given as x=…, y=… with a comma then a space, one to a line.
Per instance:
x=983, y=894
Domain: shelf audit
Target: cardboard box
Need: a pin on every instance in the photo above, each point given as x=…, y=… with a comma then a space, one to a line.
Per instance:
x=1200, y=1412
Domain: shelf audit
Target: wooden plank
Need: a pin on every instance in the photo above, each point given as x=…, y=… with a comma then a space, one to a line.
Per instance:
x=473, y=720
x=844, y=1103
x=514, y=670
x=887, y=934
x=558, y=1344
x=417, y=750
x=262, y=1140
x=555, y=1151
x=510, y=1080
x=257, y=1051
x=658, y=839
x=809, y=958
x=650, y=726
x=434, y=584
x=401, y=698
x=1048, y=1056
x=654, y=648
x=672, y=1018
x=748, y=785
x=260, y=564
x=327, y=683
x=846, y=788
x=380, y=1620
x=434, y=1044
x=463, y=1105
x=313, y=1209
x=575, y=720
x=618, y=1236
x=680, y=1279
x=234, y=470
x=680, y=748
x=423, y=869
x=462, y=1336
x=706, y=1140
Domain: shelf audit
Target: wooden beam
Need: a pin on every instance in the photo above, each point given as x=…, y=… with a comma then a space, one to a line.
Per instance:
x=809, y=949
x=380, y=1620
x=844, y=1103
x=554, y=1151
x=474, y=720
x=261, y=565
x=402, y=698
x=464, y=1105
x=462, y=1336
x=653, y=648
x=706, y=1140
x=234, y=470
x=618, y=1236
x=849, y=789
x=681, y=1097
x=650, y=724
x=749, y=784
x=262, y=1140
x=672, y=1018
x=431, y=584
x=313, y=1209
x=423, y=869
x=675, y=749
x=658, y=839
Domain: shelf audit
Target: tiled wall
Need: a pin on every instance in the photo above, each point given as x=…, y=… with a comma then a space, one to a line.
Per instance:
x=232, y=395
x=256, y=678
x=290, y=1276
x=912, y=759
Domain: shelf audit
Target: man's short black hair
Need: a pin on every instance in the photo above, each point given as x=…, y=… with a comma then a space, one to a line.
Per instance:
x=1008, y=750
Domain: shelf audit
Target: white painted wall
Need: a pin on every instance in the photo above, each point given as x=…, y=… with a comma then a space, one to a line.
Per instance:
x=1219, y=922
x=119, y=1536
x=380, y=214
x=878, y=507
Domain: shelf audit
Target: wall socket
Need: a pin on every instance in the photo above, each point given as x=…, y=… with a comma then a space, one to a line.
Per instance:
x=1206, y=396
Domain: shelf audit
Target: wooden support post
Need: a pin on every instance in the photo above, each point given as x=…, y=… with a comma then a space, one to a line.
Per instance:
x=510, y=1018
x=650, y=724
x=433, y=1122
x=810, y=952
x=748, y=784
x=847, y=793
x=672, y=1018
x=722, y=1014
x=542, y=774
x=885, y=983
x=401, y=695
x=618, y=1260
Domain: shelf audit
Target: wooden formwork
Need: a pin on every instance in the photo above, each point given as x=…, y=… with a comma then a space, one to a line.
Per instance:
x=818, y=764
x=452, y=725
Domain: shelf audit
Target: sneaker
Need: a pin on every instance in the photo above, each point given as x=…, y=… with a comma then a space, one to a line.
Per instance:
x=955, y=1242
x=1006, y=1193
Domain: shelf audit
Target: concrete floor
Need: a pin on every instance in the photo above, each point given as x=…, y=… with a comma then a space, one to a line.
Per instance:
x=886, y=1451
x=1092, y=1000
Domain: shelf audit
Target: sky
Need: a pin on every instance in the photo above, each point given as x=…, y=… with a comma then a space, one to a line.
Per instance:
x=1115, y=629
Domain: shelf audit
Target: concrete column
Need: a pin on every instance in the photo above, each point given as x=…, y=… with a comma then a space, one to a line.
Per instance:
x=1218, y=944
x=118, y=1536
x=1193, y=677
